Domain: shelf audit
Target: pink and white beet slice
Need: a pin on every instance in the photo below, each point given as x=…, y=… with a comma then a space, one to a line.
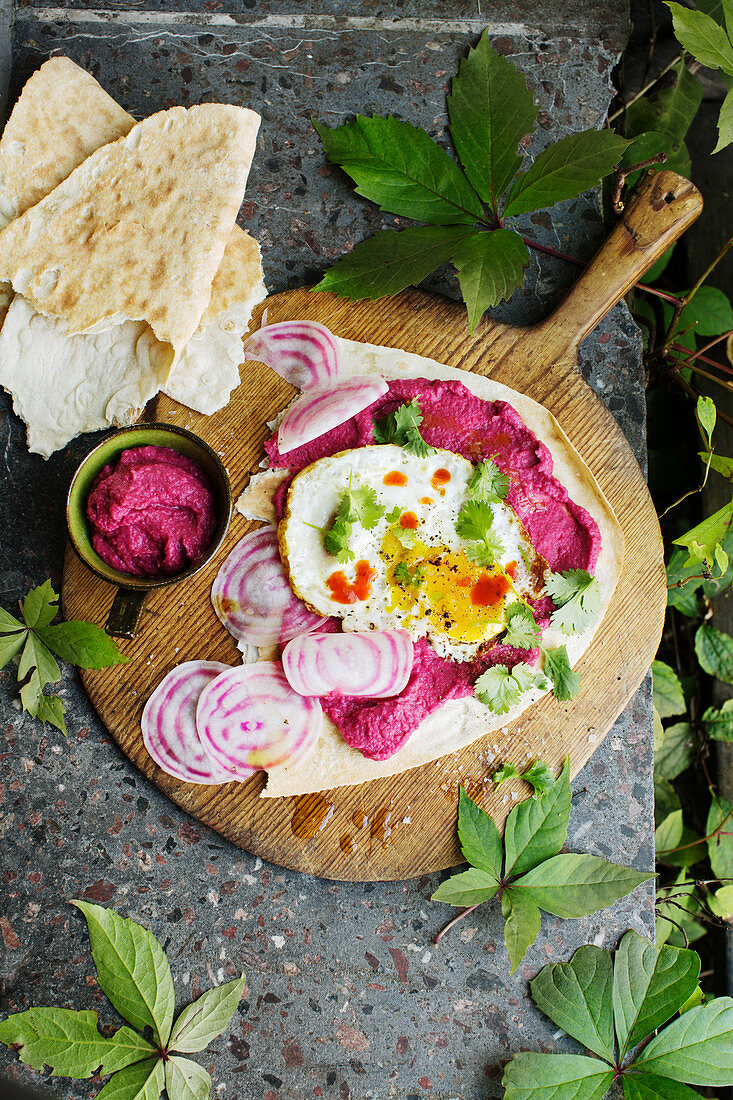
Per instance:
x=252, y=595
x=375, y=664
x=321, y=408
x=169, y=724
x=304, y=353
x=249, y=718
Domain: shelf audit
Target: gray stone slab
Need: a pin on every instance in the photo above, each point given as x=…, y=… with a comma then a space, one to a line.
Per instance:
x=347, y=996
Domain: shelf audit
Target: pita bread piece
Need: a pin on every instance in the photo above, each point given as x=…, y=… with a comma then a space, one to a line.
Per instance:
x=135, y=234
x=61, y=117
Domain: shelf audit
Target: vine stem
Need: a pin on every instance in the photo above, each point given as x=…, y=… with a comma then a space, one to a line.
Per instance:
x=455, y=920
x=703, y=839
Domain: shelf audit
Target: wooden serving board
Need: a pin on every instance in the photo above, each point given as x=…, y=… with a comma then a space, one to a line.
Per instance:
x=403, y=826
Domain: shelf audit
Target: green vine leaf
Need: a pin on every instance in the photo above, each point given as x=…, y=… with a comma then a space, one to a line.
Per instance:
x=676, y=752
x=132, y=969
x=207, y=1017
x=468, y=888
x=186, y=1080
x=536, y=828
x=718, y=723
x=522, y=924
x=491, y=110
x=714, y=651
x=649, y=1086
x=671, y=110
x=719, y=829
x=490, y=267
x=703, y=37
x=669, y=698
x=696, y=1049
x=649, y=986
x=479, y=837
x=532, y=1076
x=69, y=1043
x=573, y=885
x=143, y=1081
x=577, y=996
x=401, y=168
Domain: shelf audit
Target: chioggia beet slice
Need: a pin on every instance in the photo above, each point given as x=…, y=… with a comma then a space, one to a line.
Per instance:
x=304, y=353
x=375, y=664
x=249, y=717
x=322, y=408
x=252, y=595
x=169, y=725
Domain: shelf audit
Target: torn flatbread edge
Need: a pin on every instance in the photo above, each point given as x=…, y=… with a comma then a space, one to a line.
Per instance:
x=459, y=722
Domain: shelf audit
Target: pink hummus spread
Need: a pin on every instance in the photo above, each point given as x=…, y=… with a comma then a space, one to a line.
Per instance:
x=564, y=533
x=152, y=513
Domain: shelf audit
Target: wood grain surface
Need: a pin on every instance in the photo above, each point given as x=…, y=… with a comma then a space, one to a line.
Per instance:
x=403, y=826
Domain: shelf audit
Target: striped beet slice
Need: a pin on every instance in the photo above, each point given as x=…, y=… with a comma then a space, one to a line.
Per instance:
x=304, y=353
x=169, y=725
x=249, y=717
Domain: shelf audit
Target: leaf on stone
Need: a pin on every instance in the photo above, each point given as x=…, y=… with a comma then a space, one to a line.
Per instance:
x=649, y=1086
x=701, y=541
x=720, y=847
x=10, y=645
x=725, y=123
x=480, y=839
x=400, y=167
x=491, y=110
x=467, y=888
x=714, y=651
x=186, y=1080
x=718, y=722
x=669, y=698
x=131, y=968
x=671, y=110
x=205, y=1018
x=531, y=1076
x=536, y=828
x=490, y=267
x=649, y=987
x=40, y=605
x=522, y=923
x=565, y=169
x=390, y=261
x=676, y=752
x=573, y=885
x=49, y=708
x=703, y=37
x=36, y=656
x=83, y=644
x=9, y=624
x=69, y=1043
x=668, y=833
x=143, y=1081
x=696, y=1049
x=577, y=996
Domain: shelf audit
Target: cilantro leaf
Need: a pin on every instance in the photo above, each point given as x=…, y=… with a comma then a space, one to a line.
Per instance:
x=368, y=512
x=402, y=427
x=499, y=688
x=405, y=576
x=488, y=483
x=394, y=514
x=335, y=540
x=406, y=535
x=565, y=682
x=504, y=774
x=474, y=520
x=577, y=596
x=522, y=630
x=539, y=776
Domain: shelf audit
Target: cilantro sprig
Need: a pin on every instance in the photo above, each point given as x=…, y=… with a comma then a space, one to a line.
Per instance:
x=409, y=578
x=537, y=774
x=474, y=524
x=402, y=427
x=528, y=870
x=522, y=630
x=577, y=597
x=499, y=688
x=356, y=506
x=134, y=973
x=37, y=638
x=488, y=483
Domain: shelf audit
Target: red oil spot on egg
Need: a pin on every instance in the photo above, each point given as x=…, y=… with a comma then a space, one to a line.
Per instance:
x=440, y=478
x=426, y=500
x=409, y=521
x=345, y=591
x=394, y=477
x=489, y=589
x=511, y=569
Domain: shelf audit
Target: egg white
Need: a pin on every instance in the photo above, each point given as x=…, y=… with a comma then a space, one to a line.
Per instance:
x=316, y=493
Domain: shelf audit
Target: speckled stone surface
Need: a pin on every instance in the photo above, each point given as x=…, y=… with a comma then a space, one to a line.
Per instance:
x=347, y=996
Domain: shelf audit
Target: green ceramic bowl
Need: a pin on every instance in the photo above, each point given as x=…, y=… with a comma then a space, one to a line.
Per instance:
x=132, y=590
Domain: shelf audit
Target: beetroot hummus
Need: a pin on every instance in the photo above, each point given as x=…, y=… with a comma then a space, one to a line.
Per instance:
x=152, y=513
x=564, y=533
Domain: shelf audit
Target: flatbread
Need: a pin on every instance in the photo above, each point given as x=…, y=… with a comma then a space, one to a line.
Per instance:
x=138, y=230
x=459, y=722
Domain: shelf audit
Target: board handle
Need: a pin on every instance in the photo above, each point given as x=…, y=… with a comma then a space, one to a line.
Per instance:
x=664, y=207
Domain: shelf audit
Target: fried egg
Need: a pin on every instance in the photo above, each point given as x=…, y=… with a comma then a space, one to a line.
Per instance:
x=410, y=568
